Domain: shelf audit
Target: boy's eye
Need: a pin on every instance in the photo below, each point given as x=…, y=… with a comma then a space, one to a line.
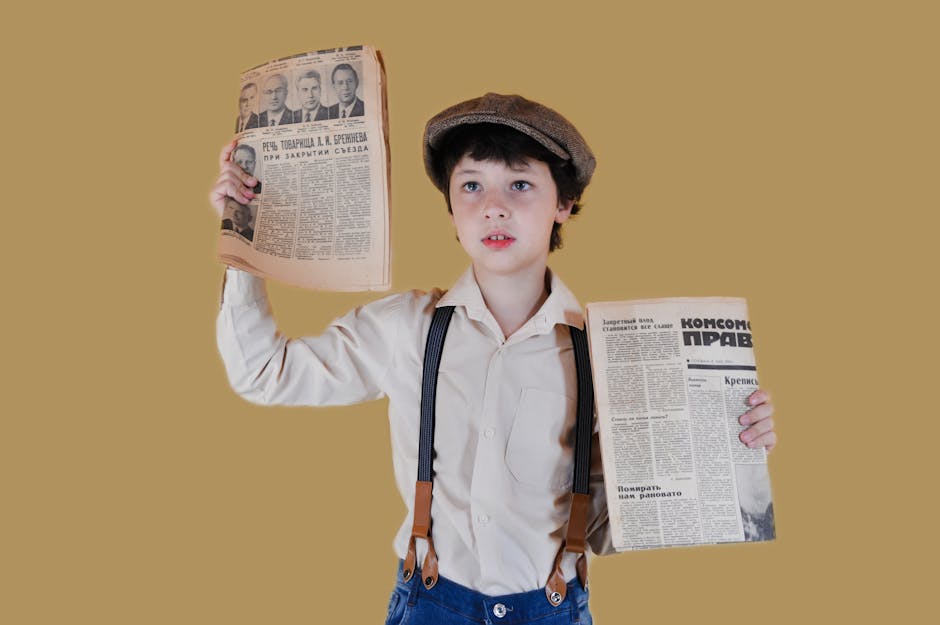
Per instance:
x=521, y=185
x=471, y=186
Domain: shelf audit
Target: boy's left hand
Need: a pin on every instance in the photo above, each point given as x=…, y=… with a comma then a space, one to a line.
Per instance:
x=761, y=426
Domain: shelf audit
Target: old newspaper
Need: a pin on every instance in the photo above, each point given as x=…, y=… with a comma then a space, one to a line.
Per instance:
x=312, y=128
x=671, y=378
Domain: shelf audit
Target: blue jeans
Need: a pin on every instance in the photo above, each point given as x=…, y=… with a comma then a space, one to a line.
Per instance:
x=449, y=603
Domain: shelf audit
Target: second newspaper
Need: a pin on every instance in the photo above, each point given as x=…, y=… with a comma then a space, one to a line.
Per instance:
x=671, y=378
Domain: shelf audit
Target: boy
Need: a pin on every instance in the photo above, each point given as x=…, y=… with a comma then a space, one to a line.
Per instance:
x=512, y=172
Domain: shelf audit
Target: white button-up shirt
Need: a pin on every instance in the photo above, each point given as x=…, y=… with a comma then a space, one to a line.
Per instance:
x=506, y=410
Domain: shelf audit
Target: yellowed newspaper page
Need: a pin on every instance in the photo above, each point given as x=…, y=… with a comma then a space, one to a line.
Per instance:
x=671, y=378
x=312, y=128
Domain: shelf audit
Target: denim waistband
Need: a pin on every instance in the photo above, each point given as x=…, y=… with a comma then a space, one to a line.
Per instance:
x=515, y=608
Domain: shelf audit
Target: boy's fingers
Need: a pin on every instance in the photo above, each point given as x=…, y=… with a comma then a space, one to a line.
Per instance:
x=233, y=173
x=235, y=189
x=229, y=167
x=232, y=182
x=226, y=152
x=756, y=431
x=760, y=396
x=229, y=188
x=767, y=441
x=756, y=414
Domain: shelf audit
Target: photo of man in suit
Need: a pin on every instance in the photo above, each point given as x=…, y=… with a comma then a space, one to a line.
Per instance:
x=245, y=157
x=247, y=105
x=309, y=92
x=345, y=83
x=275, y=100
x=241, y=219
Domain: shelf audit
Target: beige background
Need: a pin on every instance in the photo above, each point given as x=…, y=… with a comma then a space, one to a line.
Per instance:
x=785, y=152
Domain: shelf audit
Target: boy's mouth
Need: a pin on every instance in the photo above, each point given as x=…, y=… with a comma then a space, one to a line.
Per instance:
x=498, y=241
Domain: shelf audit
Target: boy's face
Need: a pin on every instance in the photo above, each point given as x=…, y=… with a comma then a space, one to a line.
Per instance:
x=504, y=215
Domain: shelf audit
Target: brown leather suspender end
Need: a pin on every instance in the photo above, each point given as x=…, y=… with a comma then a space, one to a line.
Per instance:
x=575, y=542
x=577, y=523
x=421, y=528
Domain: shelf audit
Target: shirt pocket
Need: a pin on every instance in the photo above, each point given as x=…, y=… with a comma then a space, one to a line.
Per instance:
x=540, y=448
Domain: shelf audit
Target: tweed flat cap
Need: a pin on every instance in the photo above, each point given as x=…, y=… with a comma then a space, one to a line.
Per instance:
x=539, y=122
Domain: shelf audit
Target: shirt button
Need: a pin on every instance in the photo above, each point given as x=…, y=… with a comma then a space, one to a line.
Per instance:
x=484, y=519
x=489, y=432
x=499, y=610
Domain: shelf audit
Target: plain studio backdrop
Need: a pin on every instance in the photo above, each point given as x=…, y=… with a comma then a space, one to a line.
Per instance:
x=783, y=152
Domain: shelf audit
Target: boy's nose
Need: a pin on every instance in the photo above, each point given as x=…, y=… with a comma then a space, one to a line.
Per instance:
x=494, y=208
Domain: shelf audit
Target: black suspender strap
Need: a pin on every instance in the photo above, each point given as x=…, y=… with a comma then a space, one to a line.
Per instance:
x=432, y=363
x=585, y=423
x=421, y=527
x=556, y=587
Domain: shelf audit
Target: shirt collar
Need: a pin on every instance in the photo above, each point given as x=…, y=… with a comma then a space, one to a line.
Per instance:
x=561, y=306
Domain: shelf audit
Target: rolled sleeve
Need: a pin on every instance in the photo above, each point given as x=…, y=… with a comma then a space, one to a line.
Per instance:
x=345, y=364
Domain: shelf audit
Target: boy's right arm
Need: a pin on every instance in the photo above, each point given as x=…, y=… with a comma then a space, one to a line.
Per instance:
x=344, y=365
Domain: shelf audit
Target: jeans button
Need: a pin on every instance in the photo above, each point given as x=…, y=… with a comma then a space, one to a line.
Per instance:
x=499, y=610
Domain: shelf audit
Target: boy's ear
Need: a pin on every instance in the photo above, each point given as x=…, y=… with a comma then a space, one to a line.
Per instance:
x=564, y=211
